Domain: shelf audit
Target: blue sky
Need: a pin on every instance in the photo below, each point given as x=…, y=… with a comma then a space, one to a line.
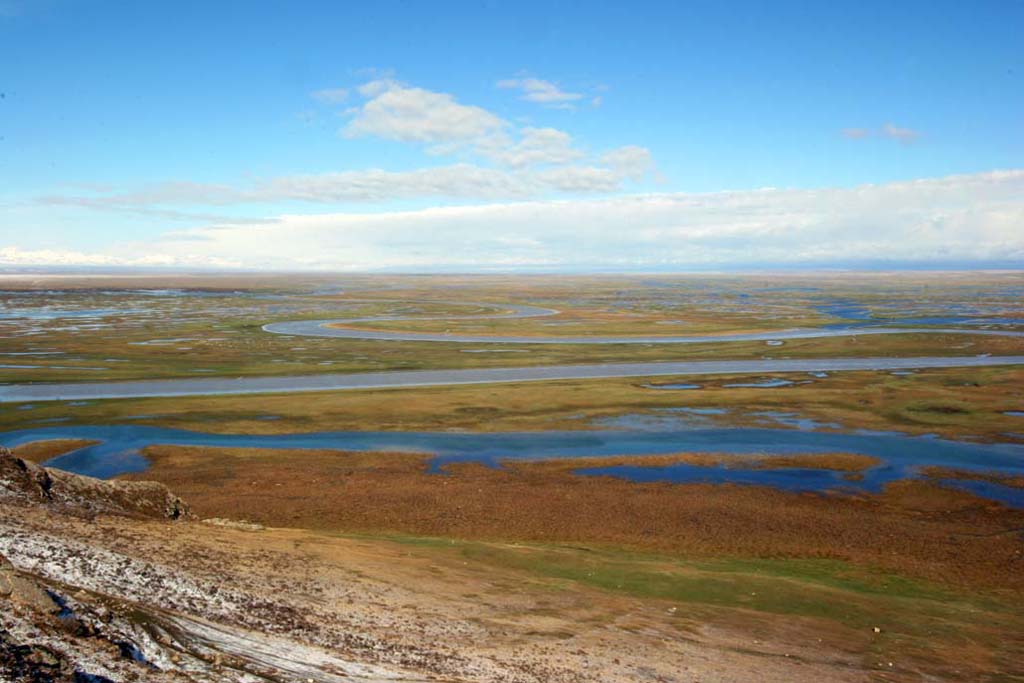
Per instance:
x=414, y=135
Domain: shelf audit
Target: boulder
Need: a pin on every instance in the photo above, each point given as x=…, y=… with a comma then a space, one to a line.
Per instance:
x=23, y=479
x=18, y=589
x=28, y=482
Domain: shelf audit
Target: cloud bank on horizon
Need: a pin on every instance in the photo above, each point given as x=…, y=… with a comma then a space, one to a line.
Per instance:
x=528, y=172
x=954, y=219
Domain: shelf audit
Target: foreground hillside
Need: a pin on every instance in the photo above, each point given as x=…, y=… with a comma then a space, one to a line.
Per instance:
x=118, y=581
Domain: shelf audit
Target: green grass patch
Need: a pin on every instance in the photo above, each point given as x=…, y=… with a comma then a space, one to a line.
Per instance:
x=838, y=591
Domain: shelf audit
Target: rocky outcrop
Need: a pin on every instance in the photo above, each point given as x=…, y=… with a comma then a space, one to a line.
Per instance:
x=16, y=588
x=28, y=662
x=31, y=663
x=44, y=640
x=28, y=483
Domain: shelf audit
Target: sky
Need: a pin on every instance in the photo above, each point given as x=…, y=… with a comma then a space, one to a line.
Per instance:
x=505, y=136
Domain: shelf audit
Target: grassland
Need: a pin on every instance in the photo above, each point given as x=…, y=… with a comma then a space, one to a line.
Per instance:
x=551, y=611
x=94, y=329
x=897, y=629
x=838, y=462
x=929, y=532
x=41, y=451
x=934, y=472
x=918, y=582
x=773, y=575
x=955, y=403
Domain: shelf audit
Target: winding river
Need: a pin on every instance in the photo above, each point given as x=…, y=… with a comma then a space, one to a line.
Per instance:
x=338, y=329
x=899, y=455
x=77, y=391
x=415, y=378
x=119, y=446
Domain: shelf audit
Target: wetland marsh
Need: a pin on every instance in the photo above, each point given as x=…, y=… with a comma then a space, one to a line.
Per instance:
x=699, y=423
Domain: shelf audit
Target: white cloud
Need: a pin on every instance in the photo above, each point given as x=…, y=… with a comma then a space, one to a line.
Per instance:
x=540, y=91
x=456, y=181
x=330, y=95
x=14, y=256
x=962, y=218
x=855, y=133
x=889, y=131
x=398, y=112
x=442, y=125
x=152, y=202
x=462, y=181
x=516, y=163
x=394, y=111
x=904, y=135
x=582, y=179
x=509, y=162
x=631, y=161
x=535, y=146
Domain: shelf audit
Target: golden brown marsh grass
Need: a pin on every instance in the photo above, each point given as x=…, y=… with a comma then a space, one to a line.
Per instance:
x=914, y=528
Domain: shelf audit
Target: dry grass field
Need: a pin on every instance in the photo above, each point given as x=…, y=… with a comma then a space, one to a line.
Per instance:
x=914, y=528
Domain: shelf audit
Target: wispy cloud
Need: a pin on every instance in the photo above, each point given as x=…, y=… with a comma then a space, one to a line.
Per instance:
x=14, y=256
x=855, y=133
x=542, y=92
x=149, y=203
x=888, y=131
x=900, y=134
x=495, y=159
x=456, y=181
x=632, y=161
x=330, y=95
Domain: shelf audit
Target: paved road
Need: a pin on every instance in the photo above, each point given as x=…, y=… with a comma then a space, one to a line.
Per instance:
x=417, y=378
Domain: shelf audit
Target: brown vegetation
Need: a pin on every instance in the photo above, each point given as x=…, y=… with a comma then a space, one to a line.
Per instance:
x=41, y=451
x=914, y=528
x=855, y=400
x=936, y=472
x=840, y=462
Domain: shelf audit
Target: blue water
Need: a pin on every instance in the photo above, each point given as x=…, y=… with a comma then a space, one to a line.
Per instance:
x=49, y=313
x=120, y=446
x=763, y=384
x=665, y=420
x=794, y=420
x=855, y=314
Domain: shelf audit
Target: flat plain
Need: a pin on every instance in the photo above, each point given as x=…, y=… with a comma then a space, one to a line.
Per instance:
x=918, y=578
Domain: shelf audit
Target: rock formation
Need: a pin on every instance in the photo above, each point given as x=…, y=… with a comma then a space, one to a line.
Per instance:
x=28, y=483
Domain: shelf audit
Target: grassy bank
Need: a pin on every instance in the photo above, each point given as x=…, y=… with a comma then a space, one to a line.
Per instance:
x=900, y=628
x=955, y=403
